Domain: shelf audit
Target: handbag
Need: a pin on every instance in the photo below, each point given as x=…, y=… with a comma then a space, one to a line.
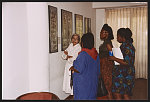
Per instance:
x=102, y=91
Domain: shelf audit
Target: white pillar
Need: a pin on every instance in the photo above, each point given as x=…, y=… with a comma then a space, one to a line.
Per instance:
x=15, y=73
x=38, y=45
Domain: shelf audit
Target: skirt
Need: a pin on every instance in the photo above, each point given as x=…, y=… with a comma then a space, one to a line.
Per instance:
x=123, y=79
x=106, y=67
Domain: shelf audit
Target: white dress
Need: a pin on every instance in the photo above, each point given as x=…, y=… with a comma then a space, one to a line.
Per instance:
x=72, y=51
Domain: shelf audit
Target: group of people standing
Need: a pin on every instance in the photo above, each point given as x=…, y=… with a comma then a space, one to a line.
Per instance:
x=86, y=65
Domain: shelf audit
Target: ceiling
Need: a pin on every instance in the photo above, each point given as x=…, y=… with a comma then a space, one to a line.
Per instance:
x=116, y=4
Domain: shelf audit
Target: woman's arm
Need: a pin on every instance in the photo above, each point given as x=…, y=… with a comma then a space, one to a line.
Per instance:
x=75, y=54
x=121, y=61
x=73, y=69
x=109, y=47
x=66, y=53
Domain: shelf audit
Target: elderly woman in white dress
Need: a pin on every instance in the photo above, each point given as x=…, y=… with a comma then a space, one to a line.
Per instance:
x=70, y=54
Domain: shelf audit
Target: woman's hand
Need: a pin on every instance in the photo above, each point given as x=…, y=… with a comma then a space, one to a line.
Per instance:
x=69, y=56
x=71, y=68
x=121, y=61
x=112, y=58
x=72, y=72
x=65, y=52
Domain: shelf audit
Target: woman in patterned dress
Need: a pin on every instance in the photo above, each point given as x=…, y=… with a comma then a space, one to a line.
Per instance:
x=106, y=65
x=124, y=74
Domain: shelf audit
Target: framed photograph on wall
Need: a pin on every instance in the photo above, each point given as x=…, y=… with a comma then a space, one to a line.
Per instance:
x=53, y=29
x=87, y=25
x=79, y=24
x=66, y=29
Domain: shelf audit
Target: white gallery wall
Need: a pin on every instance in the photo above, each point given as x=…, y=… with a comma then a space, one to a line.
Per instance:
x=25, y=57
x=57, y=64
x=100, y=21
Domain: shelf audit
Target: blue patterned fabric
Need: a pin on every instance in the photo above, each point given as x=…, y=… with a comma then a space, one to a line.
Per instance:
x=124, y=75
x=85, y=83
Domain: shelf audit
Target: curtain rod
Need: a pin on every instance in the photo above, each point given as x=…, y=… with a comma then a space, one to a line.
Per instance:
x=130, y=6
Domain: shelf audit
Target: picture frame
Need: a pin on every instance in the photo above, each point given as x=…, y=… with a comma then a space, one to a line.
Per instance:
x=79, y=24
x=87, y=25
x=66, y=29
x=53, y=29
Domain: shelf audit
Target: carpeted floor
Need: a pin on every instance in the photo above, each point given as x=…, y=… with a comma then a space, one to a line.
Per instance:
x=140, y=91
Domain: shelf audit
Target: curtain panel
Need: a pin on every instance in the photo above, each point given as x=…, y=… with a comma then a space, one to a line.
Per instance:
x=137, y=20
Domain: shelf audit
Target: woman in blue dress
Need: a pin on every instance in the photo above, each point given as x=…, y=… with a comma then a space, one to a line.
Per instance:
x=124, y=74
x=86, y=69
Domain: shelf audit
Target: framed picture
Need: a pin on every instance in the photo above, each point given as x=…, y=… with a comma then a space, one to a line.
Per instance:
x=87, y=25
x=79, y=24
x=53, y=29
x=66, y=29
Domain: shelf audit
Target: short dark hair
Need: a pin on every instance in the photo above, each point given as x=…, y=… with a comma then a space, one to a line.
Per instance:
x=126, y=33
x=87, y=40
x=76, y=35
x=109, y=30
